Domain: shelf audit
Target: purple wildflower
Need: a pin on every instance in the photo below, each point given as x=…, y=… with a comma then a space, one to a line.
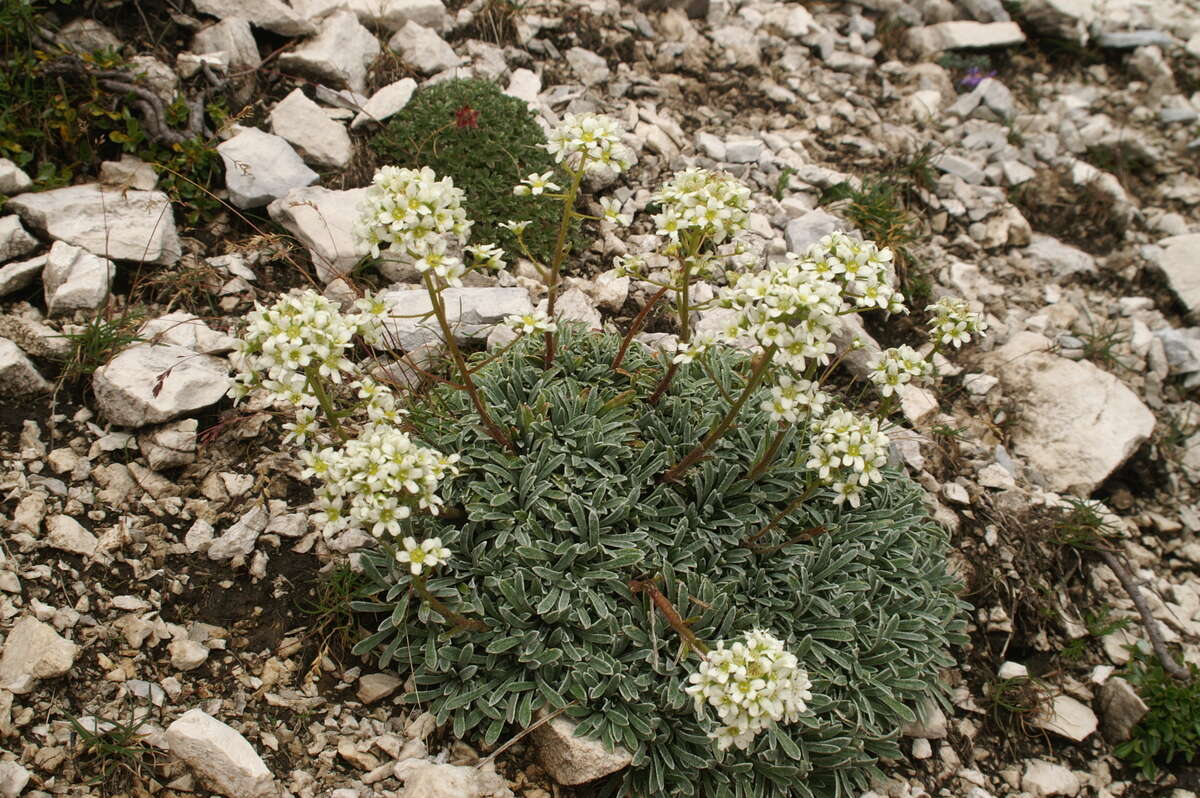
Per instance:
x=975, y=76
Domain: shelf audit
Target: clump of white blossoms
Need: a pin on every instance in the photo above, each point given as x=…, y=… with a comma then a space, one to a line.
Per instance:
x=591, y=142
x=428, y=554
x=896, y=367
x=848, y=452
x=301, y=338
x=707, y=205
x=374, y=481
x=413, y=212
x=787, y=307
x=863, y=268
x=750, y=685
x=954, y=322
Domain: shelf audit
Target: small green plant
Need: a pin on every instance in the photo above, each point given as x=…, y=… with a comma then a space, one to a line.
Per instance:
x=333, y=623
x=1014, y=702
x=1176, y=435
x=781, y=185
x=101, y=337
x=1082, y=525
x=1170, y=731
x=487, y=142
x=113, y=754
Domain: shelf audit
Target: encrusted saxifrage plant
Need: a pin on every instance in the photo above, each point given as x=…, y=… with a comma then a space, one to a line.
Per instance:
x=701, y=556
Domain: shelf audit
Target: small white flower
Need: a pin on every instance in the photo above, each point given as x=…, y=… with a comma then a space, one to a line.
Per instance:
x=612, y=212
x=486, y=256
x=536, y=185
x=517, y=228
x=528, y=323
x=428, y=554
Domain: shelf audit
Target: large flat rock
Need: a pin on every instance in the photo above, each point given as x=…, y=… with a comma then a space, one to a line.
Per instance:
x=152, y=383
x=323, y=220
x=1076, y=423
x=122, y=225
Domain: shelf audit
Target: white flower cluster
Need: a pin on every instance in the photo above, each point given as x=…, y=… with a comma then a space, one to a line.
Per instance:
x=786, y=306
x=954, y=322
x=592, y=140
x=372, y=482
x=413, y=211
x=429, y=553
x=862, y=267
x=713, y=205
x=847, y=452
x=302, y=331
x=793, y=399
x=751, y=685
x=898, y=366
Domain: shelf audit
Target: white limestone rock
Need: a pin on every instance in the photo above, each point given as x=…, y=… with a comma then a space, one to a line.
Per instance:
x=524, y=85
x=1121, y=709
x=425, y=779
x=374, y=687
x=574, y=305
x=149, y=384
x=261, y=168
x=188, y=330
x=321, y=141
x=13, y=779
x=590, y=68
x=339, y=54
x=122, y=225
x=1069, y=718
x=1180, y=264
x=34, y=651
x=170, y=445
x=187, y=655
x=129, y=172
x=13, y=179
x=471, y=312
x=14, y=240
x=18, y=375
x=424, y=49
x=1062, y=19
x=809, y=229
x=221, y=757
x=1043, y=778
x=66, y=534
x=964, y=35
x=570, y=759
x=239, y=539
x=1077, y=423
x=75, y=279
x=385, y=103
x=389, y=14
x=272, y=15
x=233, y=37
x=1061, y=259
x=324, y=221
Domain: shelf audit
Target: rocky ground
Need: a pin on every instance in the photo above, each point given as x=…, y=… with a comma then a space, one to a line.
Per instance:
x=162, y=590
